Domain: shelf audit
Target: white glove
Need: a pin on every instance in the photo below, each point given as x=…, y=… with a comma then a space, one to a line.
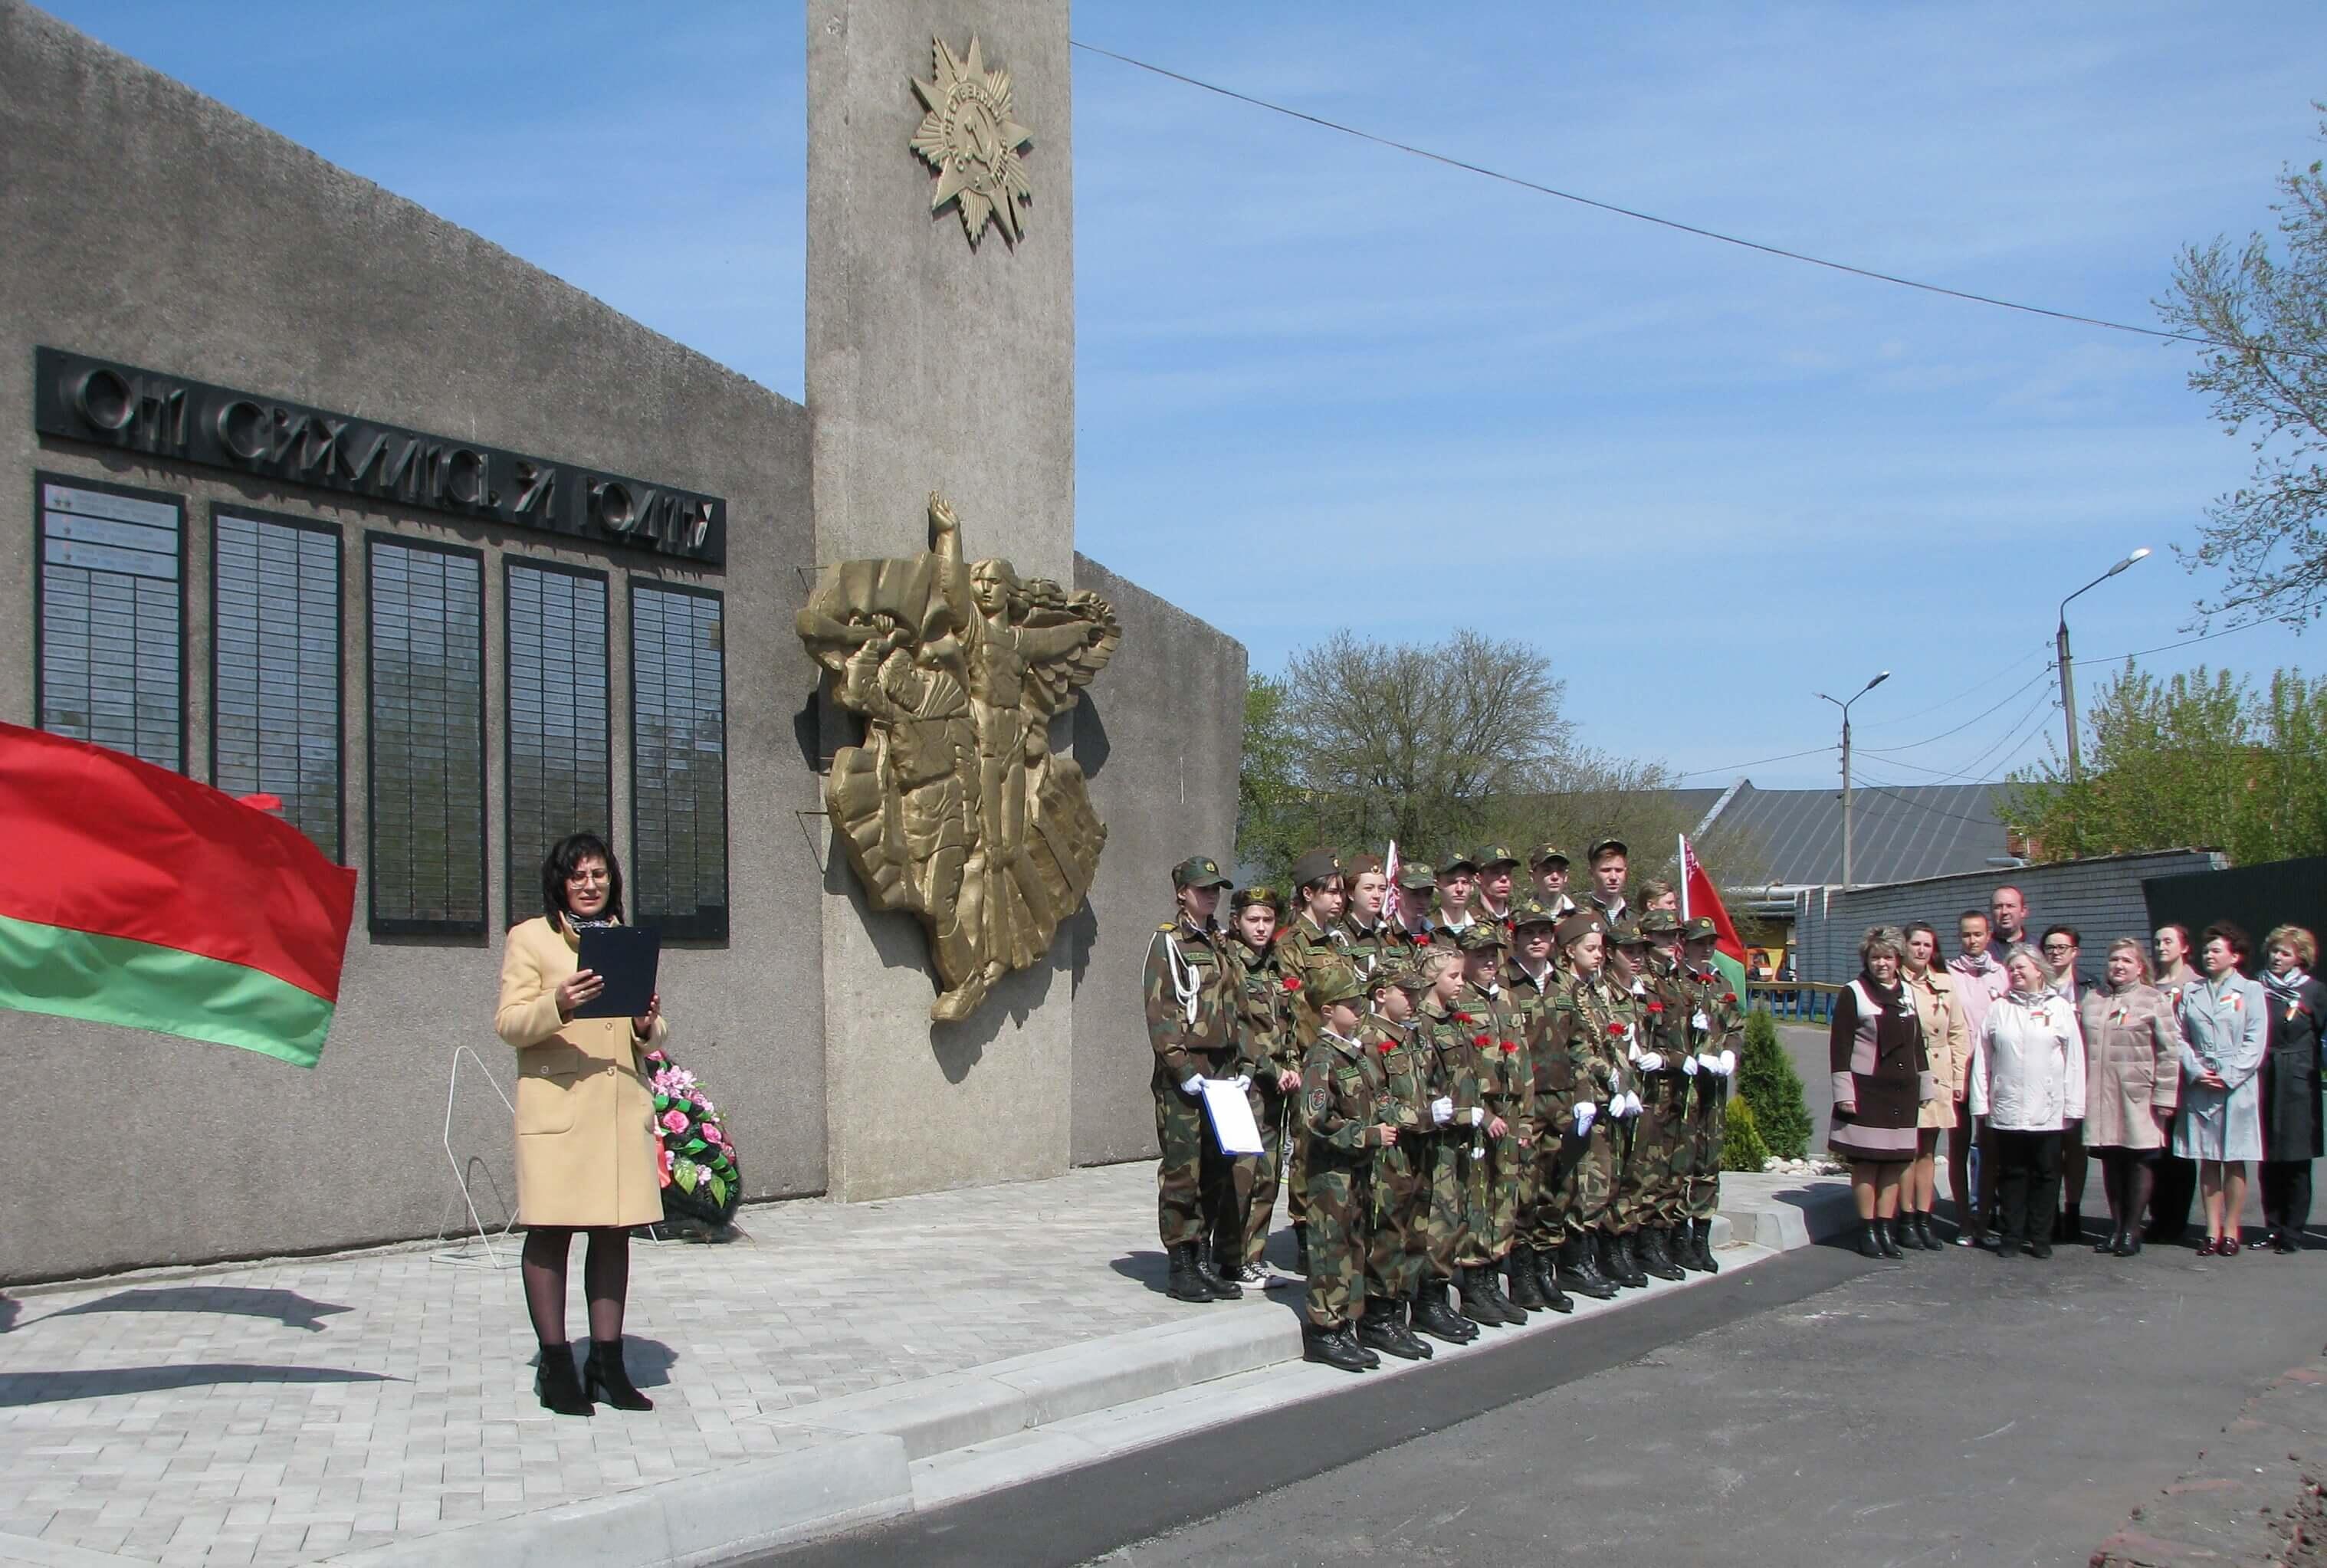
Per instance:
x=1688, y=1065
x=1442, y=1111
x=1193, y=1086
x=1242, y=1080
x=1728, y=1063
x=1478, y=1116
x=1711, y=1064
x=1634, y=1100
x=1585, y=1111
x=1651, y=1061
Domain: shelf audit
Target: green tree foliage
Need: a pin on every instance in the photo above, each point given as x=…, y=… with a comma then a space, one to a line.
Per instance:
x=2269, y=384
x=1766, y=1080
x=1271, y=820
x=1742, y=1148
x=2203, y=759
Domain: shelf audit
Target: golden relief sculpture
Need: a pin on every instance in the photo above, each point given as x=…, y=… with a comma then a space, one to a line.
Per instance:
x=970, y=139
x=955, y=807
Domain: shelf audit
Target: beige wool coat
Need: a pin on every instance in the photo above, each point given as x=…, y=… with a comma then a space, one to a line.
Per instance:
x=1946, y=1037
x=586, y=1154
x=2133, y=1065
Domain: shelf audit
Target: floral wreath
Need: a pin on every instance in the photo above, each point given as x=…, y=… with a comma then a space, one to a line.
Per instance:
x=696, y=1163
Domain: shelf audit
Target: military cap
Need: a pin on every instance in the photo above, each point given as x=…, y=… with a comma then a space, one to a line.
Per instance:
x=1456, y=860
x=1406, y=977
x=1546, y=851
x=1479, y=936
x=1315, y=866
x=1602, y=844
x=1659, y=923
x=1259, y=893
x=1492, y=854
x=1579, y=925
x=1199, y=871
x=1527, y=912
x=1357, y=866
x=1416, y=879
x=1336, y=983
x=1698, y=927
x=1628, y=934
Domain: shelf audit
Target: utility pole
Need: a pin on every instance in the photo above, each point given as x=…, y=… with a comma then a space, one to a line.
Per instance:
x=1847, y=864
x=2068, y=665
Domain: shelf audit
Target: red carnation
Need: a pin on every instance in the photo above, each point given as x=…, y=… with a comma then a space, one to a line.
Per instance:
x=1292, y=983
x=1481, y=1040
x=1656, y=1007
x=1387, y=1046
x=1730, y=997
x=1510, y=1046
x=1462, y=1018
x=1616, y=1029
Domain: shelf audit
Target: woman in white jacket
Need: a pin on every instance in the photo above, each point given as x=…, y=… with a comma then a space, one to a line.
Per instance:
x=2028, y=1082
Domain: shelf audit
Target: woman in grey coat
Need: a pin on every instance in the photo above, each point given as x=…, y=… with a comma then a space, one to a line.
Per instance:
x=2225, y=1025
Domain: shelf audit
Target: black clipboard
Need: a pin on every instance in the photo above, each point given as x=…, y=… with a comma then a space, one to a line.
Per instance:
x=625, y=957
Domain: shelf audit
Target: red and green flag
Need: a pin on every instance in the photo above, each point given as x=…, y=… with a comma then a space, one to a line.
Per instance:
x=1698, y=897
x=133, y=895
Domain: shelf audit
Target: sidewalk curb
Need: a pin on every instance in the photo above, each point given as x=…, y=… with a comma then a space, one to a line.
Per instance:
x=879, y=1438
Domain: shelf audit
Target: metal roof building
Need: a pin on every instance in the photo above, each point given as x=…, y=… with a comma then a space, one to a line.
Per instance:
x=1899, y=834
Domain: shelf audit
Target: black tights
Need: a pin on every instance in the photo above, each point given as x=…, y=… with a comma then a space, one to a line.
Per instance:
x=605, y=1281
x=2128, y=1176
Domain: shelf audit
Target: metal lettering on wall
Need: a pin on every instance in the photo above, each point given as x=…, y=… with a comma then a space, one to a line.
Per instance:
x=99, y=401
x=956, y=808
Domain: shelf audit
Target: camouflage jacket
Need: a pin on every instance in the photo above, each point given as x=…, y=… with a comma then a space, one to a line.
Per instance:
x=1598, y=1049
x=1191, y=1013
x=1497, y=1035
x=1302, y=951
x=1669, y=1002
x=1365, y=949
x=1340, y=1092
x=1265, y=1042
x=1454, y=1061
x=1403, y=1056
x=1722, y=1010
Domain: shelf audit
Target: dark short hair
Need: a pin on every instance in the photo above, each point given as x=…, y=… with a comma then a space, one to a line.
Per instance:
x=568, y=853
x=1923, y=926
x=2075, y=941
x=1979, y=915
x=2240, y=943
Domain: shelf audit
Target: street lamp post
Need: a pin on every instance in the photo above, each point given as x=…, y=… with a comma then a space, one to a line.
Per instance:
x=1844, y=707
x=2068, y=668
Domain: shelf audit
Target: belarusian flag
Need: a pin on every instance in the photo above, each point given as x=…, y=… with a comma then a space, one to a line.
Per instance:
x=133, y=895
x=1698, y=897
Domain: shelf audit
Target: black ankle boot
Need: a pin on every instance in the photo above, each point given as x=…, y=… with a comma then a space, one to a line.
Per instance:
x=1470, y=1284
x=1490, y=1279
x=1622, y=1265
x=554, y=1382
x=1187, y=1281
x=1656, y=1259
x=1383, y=1328
x=1869, y=1244
x=1701, y=1232
x=1886, y=1241
x=1525, y=1292
x=1301, y=1248
x=1219, y=1278
x=1328, y=1348
x=1547, y=1283
x=1579, y=1270
x=605, y=1380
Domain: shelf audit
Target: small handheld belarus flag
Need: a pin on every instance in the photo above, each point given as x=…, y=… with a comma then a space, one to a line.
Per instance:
x=133, y=895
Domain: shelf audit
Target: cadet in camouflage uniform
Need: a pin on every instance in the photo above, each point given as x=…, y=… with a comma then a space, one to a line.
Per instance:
x=1628, y=958
x=1719, y=1037
x=1269, y=1057
x=1308, y=943
x=1532, y=981
x=1490, y=896
x=1191, y=1024
x=1660, y=1147
x=1547, y=864
x=1399, y=1255
x=1456, y=1117
x=1417, y=890
x=1366, y=939
x=1605, y=1080
x=1579, y=1120
x=1341, y=1093
x=1451, y=912
x=1506, y=1087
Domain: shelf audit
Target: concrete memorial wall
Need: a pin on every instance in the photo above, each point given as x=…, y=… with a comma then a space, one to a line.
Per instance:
x=246, y=332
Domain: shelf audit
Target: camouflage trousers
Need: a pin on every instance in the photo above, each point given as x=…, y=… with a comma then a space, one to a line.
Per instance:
x=1397, y=1254
x=1543, y=1212
x=1660, y=1151
x=1340, y=1206
x=1195, y=1183
x=1707, y=1116
x=1624, y=1191
x=1492, y=1197
x=1270, y=1107
x=1593, y=1184
x=1446, y=1229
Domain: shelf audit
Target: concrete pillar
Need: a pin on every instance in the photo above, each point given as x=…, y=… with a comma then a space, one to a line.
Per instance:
x=935, y=366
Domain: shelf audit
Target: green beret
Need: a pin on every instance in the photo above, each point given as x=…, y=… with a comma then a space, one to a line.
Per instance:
x=1260, y=894
x=1357, y=866
x=1199, y=871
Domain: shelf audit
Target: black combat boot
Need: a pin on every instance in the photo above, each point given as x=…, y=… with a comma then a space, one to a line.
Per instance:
x=1301, y=1248
x=1433, y=1317
x=604, y=1377
x=1187, y=1281
x=1712, y=1265
x=1470, y=1284
x=1547, y=1282
x=1616, y=1259
x=554, y=1382
x=1525, y=1293
x=1383, y=1328
x=1513, y=1314
x=1680, y=1245
x=1328, y=1346
x=1579, y=1270
x=1348, y=1335
x=1219, y=1278
x=1654, y=1259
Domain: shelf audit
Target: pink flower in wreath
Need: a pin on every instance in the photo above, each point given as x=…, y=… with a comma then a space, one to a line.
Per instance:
x=713, y=1135
x=663, y=1174
x=674, y=1121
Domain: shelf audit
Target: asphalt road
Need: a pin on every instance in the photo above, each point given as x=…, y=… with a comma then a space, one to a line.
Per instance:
x=1819, y=1410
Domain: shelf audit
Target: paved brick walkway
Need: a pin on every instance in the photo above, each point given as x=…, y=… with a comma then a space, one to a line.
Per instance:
x=286, y=1411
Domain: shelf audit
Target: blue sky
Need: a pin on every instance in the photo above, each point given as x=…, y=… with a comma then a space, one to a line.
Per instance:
x=1323, y=383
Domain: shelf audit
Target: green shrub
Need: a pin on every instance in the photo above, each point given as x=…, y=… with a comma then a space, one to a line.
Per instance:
x=1767, y=1081
x=1742, y=1148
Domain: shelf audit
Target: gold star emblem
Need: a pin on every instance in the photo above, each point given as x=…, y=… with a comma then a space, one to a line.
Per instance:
x=969, y=138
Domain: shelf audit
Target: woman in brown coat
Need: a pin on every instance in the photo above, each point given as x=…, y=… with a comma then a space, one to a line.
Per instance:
x=1882, y=1076
x=1948, y=1042
x=586, y=1154
x=2132, y=1075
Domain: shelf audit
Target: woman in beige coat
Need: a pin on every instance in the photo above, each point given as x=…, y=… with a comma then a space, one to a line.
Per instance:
x=2133, y=1078
x=1947, y=1039
x=587, y=1158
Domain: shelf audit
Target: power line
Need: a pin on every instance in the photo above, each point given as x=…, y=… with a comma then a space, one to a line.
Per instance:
x=1933, y=811
x=2163, y=647
x=1735, y=766
x=1967, y=723
x=1672, y=223
x=2038, y=651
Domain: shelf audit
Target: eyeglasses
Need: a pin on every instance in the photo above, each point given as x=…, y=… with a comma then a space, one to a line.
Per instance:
x=2058, y=948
